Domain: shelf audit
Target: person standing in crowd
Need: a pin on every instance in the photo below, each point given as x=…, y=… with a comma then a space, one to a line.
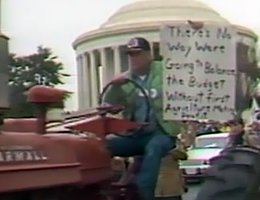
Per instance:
x=225, y=128
x=171, y=183
x=236, y=134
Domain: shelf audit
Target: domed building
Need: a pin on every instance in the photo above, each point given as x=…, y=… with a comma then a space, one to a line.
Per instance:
x=100, y=53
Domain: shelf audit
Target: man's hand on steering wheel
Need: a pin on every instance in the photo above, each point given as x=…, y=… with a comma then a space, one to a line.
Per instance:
x=120, y=80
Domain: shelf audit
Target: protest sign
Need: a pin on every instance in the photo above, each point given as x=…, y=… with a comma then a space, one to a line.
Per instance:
x=199, y=72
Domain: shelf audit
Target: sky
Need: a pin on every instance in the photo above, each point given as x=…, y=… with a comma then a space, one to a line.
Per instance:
x=57, y=23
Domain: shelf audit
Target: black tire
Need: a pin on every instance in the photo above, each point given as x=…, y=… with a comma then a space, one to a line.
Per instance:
x=231, y=175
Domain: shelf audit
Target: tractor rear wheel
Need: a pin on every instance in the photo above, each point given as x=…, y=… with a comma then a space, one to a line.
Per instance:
x=234, y=174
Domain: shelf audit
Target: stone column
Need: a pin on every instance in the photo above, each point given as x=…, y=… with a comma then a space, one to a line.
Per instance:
x=86, y=81
x=152, y=50
x=105, y=68
x=117, y=60
x=80, y=82
x=93, y=76
x=110, y=68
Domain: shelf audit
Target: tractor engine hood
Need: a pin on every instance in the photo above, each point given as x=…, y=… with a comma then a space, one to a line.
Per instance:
x=31, y=161
x=22, y=148
x=90, y=152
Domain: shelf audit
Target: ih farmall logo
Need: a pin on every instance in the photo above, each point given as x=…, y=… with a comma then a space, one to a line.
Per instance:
x=20, y=154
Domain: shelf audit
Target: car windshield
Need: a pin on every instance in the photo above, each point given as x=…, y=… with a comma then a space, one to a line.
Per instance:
x=218, y=142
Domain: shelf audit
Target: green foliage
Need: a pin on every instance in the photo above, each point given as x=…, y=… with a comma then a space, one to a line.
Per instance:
x=40, y=68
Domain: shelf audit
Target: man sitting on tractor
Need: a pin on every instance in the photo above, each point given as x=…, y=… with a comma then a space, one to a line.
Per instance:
x=156, y=139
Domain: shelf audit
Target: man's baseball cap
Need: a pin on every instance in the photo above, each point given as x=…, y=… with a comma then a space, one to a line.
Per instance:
x=137, y=44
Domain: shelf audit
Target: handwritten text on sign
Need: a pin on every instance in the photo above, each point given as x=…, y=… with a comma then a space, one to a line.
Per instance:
x=199, y=72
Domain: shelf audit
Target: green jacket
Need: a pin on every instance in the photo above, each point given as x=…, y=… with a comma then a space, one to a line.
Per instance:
x=125, y=94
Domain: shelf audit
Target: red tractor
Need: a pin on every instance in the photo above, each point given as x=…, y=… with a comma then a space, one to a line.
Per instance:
x=37, y=164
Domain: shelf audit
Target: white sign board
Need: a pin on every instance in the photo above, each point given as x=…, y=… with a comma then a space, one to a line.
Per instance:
x=199, y=72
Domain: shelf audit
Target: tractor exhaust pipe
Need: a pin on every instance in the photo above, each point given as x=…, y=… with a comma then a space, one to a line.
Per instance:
x=45, y=97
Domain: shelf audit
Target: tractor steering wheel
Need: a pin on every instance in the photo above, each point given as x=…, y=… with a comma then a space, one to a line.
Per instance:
x=146, y=97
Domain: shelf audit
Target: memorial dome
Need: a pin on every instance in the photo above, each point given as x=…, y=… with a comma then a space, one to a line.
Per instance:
x=144, y=15
x=147, y=11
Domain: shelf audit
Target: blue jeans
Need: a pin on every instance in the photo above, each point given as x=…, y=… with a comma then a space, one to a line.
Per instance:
x=152, y=147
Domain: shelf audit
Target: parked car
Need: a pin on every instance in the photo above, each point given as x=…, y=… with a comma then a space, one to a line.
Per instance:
x=204, y=148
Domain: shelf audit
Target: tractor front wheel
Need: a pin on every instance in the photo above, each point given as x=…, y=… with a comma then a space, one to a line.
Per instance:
x=234, y=174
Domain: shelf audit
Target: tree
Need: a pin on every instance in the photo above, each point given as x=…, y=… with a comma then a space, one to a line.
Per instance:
x=40, y=68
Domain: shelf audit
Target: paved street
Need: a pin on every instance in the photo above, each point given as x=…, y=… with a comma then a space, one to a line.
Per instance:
x=193, y=190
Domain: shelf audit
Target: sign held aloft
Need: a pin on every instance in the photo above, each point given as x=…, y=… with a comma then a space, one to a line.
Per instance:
x=199, y=72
